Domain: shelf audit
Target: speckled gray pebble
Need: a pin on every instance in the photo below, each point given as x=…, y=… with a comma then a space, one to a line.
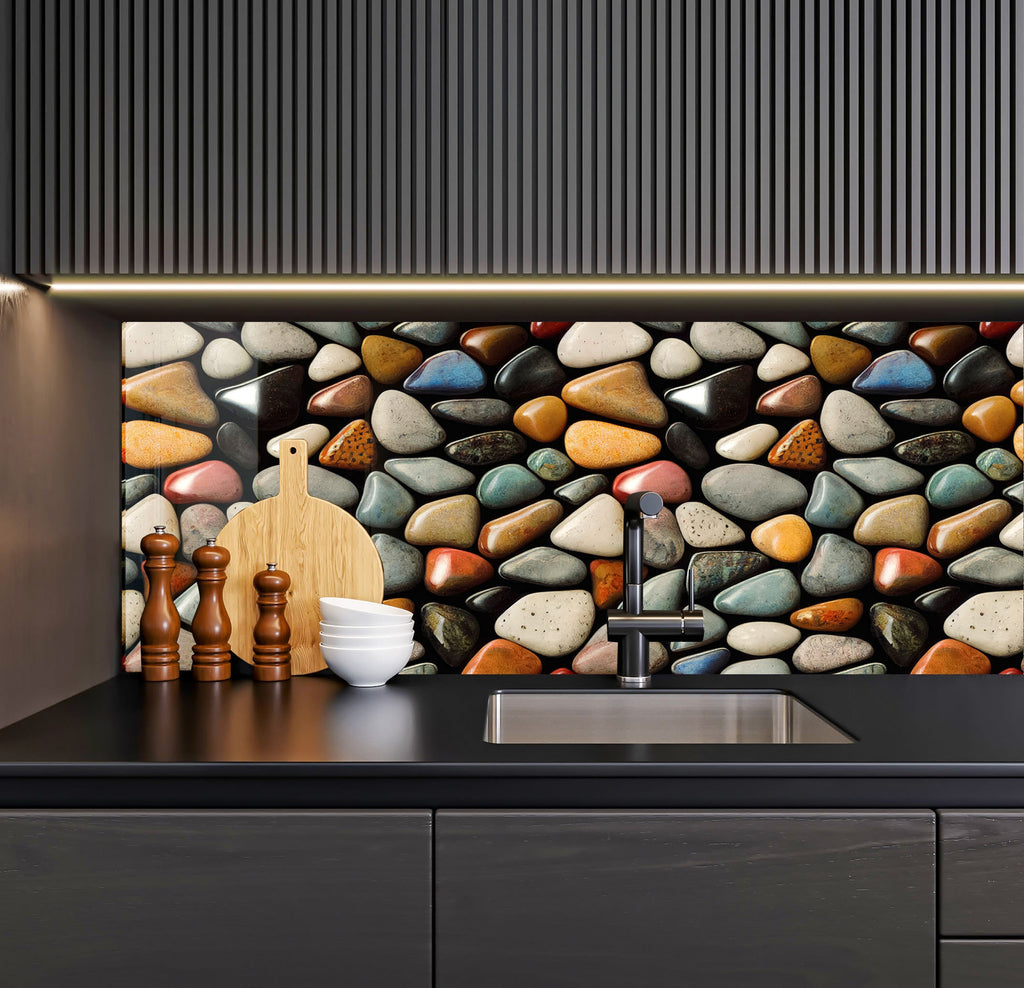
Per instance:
x=825, y=653
x=277, y=342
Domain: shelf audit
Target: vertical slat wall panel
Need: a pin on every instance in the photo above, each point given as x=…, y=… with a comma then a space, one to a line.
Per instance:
x=516, y=136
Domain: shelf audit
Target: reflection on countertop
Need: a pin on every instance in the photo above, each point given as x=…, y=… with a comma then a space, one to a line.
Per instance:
x=236, y=721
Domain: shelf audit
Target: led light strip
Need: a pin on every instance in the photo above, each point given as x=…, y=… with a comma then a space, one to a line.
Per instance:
x=456, y=285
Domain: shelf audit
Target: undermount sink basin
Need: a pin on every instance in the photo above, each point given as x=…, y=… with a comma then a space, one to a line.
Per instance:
x=655, y=717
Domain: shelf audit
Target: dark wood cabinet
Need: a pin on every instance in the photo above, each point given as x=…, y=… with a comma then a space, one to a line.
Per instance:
x=703, y=898
x=981, y=963
x=981, y=876
x=215, y=898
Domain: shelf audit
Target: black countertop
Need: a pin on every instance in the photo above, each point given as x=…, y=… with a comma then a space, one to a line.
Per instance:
x=943, y=741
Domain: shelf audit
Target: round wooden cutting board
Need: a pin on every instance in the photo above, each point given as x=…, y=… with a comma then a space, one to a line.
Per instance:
x=325, y=551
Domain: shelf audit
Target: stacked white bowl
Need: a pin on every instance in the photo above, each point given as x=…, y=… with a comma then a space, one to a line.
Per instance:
x=362, y=642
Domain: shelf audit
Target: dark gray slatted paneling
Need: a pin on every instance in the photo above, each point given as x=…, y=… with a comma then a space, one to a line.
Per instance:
x=508, y=136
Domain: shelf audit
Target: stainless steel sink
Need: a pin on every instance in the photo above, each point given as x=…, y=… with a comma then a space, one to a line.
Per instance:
x=655, y=717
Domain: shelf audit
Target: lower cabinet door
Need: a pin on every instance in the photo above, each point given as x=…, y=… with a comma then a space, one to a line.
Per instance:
x=981, y=880
x=602, y=898
x=981, y=963
x=222, y=898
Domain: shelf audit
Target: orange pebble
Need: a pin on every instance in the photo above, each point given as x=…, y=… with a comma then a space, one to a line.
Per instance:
x=952, y=658
x=152, y=444
x=600, y=445
x=991, y=419
x=503, y=658
x=787, y=538
x=830, y=615
x=542, y=419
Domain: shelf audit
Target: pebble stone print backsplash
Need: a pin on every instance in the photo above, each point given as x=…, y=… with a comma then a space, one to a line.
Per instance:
x=848, y=495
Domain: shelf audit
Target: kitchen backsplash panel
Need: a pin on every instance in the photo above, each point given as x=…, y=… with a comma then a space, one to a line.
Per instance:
x=848, y=495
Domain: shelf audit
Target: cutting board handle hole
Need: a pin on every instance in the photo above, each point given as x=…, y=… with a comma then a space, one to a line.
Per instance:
x=293, y=450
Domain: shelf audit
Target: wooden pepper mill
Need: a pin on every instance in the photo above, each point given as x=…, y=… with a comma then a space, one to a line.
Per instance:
x=272, y=650
x=160, y=624
x=211, y=627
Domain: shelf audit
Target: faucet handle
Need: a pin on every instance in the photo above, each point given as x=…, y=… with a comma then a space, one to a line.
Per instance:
x=647, y=504
x=690, y=587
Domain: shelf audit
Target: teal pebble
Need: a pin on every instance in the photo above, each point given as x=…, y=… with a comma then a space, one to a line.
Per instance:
x=385, y=502
x=507, y=486
x=999, y=464
x=956, y=486
x=834, y=503
x=549, y=464
x=770, y=594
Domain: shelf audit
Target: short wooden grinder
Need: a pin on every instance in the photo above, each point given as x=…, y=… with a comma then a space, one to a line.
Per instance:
x=271, y=650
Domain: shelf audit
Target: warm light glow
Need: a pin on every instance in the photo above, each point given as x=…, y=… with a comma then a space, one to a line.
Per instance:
x=598, y=285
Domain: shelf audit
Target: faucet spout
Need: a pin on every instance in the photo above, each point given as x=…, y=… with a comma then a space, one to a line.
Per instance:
x=634, y=627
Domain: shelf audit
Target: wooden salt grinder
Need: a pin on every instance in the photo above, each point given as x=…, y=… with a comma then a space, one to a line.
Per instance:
x=160, y=624
x=271, y=651
x=211, y=627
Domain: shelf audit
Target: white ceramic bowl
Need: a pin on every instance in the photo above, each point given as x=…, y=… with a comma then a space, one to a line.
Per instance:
x=361, y=666
x=366, y=641
x=328, y=628
x=346, y=610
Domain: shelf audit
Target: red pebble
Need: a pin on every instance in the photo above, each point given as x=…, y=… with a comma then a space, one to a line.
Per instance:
x=542, y=330
x=210, y=481
x=664, y=477
x=998, y=330
x=1010, y=672
x=903, y=571
x=562, y=672
x=451, y=571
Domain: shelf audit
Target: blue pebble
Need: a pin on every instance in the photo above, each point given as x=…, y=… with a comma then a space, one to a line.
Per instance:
x=450, y=372
x=708, y=663
x=901, y=372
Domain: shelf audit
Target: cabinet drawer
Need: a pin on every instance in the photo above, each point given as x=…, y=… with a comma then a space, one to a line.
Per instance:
x=612, y=898
x=200, y=899
x=981, y=963
x=981, y=874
